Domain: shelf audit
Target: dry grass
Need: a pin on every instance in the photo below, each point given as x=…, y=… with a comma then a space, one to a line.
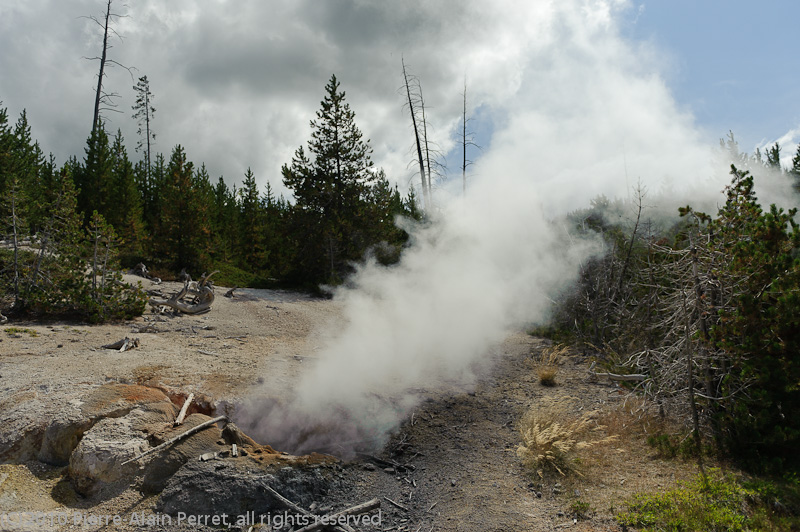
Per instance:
x=552, y=436
x=548, y=362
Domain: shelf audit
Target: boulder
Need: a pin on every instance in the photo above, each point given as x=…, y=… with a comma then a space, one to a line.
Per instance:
x=108, y=401
x=99, y=456
x=235, y=486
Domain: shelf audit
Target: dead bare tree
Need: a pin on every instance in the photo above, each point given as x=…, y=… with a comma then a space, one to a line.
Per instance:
x=413, y=112
x=104, y=101
x=429, y=157
x=467, y=139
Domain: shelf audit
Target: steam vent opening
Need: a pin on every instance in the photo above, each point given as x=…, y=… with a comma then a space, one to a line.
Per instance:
x=333, y=431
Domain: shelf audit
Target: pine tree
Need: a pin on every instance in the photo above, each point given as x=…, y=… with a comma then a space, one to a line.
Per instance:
x=125, y=214
x=224, y=221
x=94, y=178
x=774, y=157
x=251, y=231
x=184, y=237
x=150, y=189
x=329, y=186
x=6, y=144
x=795, y=169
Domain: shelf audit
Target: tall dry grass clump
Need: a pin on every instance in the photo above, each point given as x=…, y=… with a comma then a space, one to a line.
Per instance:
x=547, y=364
x=552, y=436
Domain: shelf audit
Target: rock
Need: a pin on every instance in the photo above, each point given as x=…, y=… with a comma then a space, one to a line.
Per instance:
x=100, y=454
x=235, y=486
x=98, y=458
x=108, y=401
x=164, y=464
x=233, y=434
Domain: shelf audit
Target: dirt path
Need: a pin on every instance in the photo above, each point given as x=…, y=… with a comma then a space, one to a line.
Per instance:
x=460, y=443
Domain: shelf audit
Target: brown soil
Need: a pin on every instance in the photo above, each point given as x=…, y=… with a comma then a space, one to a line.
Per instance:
x=451, y=466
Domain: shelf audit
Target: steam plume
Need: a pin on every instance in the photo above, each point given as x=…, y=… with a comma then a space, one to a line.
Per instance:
x=588, y=114
x=490, y=263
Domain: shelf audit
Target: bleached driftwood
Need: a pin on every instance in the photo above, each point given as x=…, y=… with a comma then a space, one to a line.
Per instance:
x=184, y=409
x=177, y=438
x=634, y=377
x=202, y=294
x=3, y=319
x=123, y=345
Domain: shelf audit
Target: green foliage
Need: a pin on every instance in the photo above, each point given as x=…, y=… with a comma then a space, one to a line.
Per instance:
x=14, y=331
x=719, y=502
x=671, y=446
x=50, y=279
x=580, y=509
x=344, y=207
x=709, y=310
x=760, y=329
x=183, y=239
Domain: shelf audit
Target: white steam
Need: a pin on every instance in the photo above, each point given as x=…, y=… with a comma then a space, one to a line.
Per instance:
x=587, y=114
x=490, y=263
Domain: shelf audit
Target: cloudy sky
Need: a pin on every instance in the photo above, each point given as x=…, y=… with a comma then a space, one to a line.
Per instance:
x=585, y=96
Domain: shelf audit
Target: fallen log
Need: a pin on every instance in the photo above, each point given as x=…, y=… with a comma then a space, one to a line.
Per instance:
x=184, y=409
x=329, y=519
x=633, y=377
x=301, y=511
x=177, y=438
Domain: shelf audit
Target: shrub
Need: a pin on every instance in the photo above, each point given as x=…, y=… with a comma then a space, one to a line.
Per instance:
x=552, y=437
x=547, y=365
x=719, y=502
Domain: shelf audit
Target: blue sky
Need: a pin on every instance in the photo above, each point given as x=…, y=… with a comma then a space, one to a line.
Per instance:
x=734, y=64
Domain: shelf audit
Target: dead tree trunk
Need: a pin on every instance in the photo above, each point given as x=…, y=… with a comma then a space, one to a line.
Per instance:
x=103, y=57
x=466, y=140
x=420, y=159
x=100, y=96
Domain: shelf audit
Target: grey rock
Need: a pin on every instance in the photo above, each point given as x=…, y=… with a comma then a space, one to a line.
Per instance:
x=236, y=486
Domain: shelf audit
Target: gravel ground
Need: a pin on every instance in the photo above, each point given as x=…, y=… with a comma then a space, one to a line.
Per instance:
x=451, y=466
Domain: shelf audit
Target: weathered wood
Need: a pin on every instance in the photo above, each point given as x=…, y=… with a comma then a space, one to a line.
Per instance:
x=177, y=438
x=123, y=345
x=353, y=510
x=203, y=291
x=234, y=450
x=229, y=293
x=3, y=319
x=395, y=504
x=635, y=377
x=299, y=510
x=184, y=409
x=205, y=298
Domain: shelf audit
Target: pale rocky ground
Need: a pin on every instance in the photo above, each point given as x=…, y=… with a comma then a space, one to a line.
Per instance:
x=461, y=442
